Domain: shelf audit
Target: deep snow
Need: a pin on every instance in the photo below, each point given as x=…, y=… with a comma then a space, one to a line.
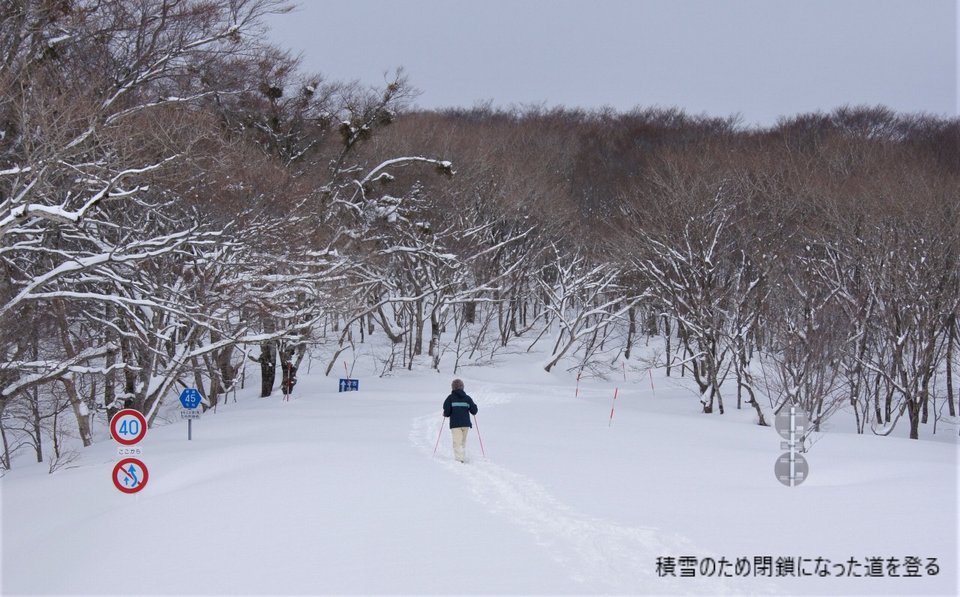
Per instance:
x=340, y=493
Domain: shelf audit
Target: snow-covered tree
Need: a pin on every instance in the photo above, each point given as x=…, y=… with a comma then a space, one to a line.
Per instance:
x=100, y=105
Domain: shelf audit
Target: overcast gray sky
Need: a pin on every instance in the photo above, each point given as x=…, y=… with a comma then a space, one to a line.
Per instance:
x=757, y=58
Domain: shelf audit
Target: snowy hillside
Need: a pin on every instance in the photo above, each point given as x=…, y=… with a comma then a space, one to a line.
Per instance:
x=341, y=493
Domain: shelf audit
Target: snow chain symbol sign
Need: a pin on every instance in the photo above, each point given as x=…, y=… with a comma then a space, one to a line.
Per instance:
x=129, y=427
x=791, y=468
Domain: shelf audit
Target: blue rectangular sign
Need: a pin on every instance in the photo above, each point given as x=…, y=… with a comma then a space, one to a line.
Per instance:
x=349, y=385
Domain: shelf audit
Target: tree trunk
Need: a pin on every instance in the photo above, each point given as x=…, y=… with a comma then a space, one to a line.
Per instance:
x=888, y=405
x=76, y=403
x=756, y=406
x=716, y=391
x=5, y=458
x=707, y=406
x=418, y=342
x=36, y=423
x=470, y=312
x=216, y=386
x=877, y=411
x=744, y=377
x=652, y=324
x=667, y=334
x=856, y=414
x=913, y=409
x=79, y=411
x=110, y=381
x=434, y=349
x=685, y=345
x=395, y=338
x=925, y=409
x=129, y=375
x=225, y=374
x=951, y=340
x=268, y=367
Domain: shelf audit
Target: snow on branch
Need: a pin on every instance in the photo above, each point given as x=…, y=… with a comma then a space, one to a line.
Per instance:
x=61, y=215
x=56, y=370
x=443, y=166
x=136, y=252
x=15, y=170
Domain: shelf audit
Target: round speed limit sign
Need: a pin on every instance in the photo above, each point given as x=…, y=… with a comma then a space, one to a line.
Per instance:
x=128, y=427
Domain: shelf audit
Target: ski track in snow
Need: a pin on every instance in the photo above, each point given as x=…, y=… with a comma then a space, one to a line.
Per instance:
x=599, y=555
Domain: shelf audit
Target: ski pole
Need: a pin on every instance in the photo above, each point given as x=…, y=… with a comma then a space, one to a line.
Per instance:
x=439, y=433
x=479, y=436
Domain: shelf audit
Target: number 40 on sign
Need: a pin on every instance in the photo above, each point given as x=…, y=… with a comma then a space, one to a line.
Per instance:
x=128, y=427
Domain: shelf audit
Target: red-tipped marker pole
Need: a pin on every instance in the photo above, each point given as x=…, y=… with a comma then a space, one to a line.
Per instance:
x=613, y=406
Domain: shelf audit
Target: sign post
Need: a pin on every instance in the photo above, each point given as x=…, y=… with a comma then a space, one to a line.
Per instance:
x=791, y=468
x=349, y=385
x=129, y=427
x=190, y=399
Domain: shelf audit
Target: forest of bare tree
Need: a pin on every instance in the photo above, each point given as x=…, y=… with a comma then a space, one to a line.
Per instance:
x=178, y=200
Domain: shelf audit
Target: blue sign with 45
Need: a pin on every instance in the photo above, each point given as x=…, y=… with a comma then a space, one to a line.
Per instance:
x=190, y=398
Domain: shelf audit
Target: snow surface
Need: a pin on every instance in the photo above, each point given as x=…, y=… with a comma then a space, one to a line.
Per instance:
x=340, y=493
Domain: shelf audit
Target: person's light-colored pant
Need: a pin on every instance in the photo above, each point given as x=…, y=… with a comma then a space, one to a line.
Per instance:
x=459, y=442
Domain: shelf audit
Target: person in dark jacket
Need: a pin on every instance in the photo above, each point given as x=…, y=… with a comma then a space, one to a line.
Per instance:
x=458, y=407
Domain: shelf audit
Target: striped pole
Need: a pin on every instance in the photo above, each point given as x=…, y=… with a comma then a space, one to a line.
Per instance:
x=577, y=393
x=613, y=406
x=652, y=389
